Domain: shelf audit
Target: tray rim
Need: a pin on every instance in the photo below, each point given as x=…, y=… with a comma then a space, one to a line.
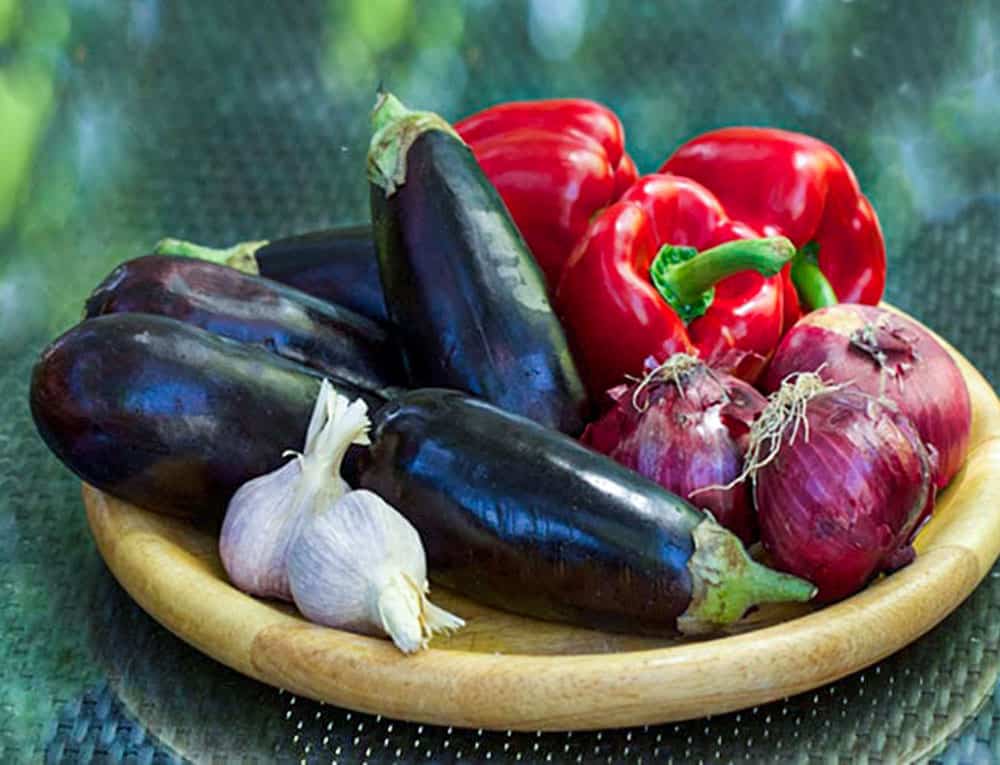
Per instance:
x=558, y=692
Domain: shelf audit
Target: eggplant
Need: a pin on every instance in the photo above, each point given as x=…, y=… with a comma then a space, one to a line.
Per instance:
x=462, y=288
x=526, y=519
x=337, y=265
x=168, y=416
x=331, y=339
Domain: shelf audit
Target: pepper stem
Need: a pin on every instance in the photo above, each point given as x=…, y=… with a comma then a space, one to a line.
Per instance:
x=810, y=282
x=395, y=129
x=726, y=582
x=240, y=256
x=686, y=278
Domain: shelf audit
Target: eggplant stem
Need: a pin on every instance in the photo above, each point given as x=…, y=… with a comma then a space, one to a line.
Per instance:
x=241, y=256
x=395, y=129
x=726, y=582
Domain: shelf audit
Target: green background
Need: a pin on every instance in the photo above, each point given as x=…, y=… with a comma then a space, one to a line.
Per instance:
x=124, y=122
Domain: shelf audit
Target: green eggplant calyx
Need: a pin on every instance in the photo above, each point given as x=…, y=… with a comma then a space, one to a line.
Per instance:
x=241, y=256
x=396, y=128
x=726, y=582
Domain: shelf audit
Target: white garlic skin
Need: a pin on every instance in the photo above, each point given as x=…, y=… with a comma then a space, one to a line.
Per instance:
x=346, y=554
x=359, y=565
x=260, y=522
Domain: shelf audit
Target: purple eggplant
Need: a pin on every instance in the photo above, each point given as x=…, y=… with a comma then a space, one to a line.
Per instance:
x=526, y=519
x=287, y=322
x=463, y=290
x=337, y=265
x=168, y=416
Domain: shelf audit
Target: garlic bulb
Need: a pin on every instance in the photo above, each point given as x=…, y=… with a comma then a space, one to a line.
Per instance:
x=359, y=565
x=258, y=527
x=265, y=514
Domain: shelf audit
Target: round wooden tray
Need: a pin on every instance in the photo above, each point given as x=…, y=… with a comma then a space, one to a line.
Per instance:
x=506, y=672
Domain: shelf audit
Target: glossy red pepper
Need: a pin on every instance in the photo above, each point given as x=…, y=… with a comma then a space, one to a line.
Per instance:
x=556, y=163
x=614, y=315
x=795, y=185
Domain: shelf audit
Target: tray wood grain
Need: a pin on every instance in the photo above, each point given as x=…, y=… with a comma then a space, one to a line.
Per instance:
x=508, y=672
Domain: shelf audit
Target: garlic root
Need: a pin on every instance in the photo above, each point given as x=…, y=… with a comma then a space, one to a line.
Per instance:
x=408, y=617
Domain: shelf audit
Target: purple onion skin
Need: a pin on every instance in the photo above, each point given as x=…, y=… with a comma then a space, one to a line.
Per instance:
x=927, y=386
x=844, y=505
x=685, y=443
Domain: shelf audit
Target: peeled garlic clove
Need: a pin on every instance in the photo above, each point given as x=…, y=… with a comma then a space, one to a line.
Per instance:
x=359, y=565
x=265, y=514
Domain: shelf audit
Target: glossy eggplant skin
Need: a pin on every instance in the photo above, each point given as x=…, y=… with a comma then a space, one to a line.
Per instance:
x=168, y=416
x=338, y=265
x=465, y=293
x=526, y=519
x=331, y=339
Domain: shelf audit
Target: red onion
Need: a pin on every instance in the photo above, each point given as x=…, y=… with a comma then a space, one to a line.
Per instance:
x=685, y=427
x=883, y=353
x=841, y=481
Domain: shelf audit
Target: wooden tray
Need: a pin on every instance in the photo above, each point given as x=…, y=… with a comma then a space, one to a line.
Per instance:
x=506, y=672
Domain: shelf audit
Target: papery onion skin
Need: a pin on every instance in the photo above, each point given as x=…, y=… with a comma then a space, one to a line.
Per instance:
x=686, y=440
x=925, y=381
x=842, y=504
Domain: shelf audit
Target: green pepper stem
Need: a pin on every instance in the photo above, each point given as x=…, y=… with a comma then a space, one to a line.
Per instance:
x=726, y=582
x=241, y=256
x=810, y=282
x=686, y=277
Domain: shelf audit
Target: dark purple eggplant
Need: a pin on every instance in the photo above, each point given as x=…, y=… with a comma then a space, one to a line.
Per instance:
x=296, y=326
x=168, y=416
x=337, y=265
x=526, y=519
x=462, y=288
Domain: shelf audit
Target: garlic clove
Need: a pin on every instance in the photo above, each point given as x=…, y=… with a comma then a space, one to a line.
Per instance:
x=257, y=530
x=357, y=565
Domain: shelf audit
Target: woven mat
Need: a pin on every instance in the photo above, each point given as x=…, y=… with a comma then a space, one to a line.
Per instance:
x=218, y=122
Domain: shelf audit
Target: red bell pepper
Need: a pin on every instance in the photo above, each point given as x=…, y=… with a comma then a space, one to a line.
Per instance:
x=795, y=185
x=556, y=163
x=674, y=232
